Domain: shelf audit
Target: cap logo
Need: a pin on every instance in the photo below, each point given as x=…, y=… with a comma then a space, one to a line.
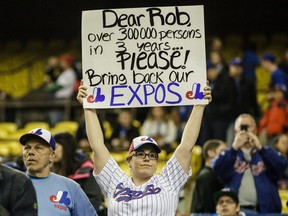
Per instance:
x=147, y=139
x=38, y=132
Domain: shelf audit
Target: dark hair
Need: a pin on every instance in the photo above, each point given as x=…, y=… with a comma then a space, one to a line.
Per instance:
x=68, y=162
x=212, y=144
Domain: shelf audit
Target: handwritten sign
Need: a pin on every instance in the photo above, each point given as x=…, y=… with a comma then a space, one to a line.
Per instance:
x=140, y=57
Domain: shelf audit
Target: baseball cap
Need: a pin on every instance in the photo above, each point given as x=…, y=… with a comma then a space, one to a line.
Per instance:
x=67, y=58
x=210, y=65
x=268, y=57
x=43, y=134
x=142, y=140
x=236, y=62
x=281, y=87
x=226, y=192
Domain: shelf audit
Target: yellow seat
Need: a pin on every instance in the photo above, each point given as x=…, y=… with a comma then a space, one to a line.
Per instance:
x=16, y=135
x=3, y=134
x=196, y=161
x=108, y=130
x=66, y=126
x=36, y=124
x=284, y=199
x=10, y=148
x=9, y=127
x=4, y=151
x=124, y=166
x=119, y=157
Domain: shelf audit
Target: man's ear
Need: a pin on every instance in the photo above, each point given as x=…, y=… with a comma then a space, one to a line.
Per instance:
x=52, y=156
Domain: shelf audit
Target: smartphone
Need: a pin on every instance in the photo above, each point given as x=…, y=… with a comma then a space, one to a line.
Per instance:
x=243, y=127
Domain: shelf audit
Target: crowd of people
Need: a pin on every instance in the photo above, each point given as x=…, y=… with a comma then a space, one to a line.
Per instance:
x=241, y=174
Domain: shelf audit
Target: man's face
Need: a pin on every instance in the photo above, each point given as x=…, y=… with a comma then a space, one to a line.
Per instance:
x=251, y=125
x=37, y=156
x=226, y=206
x=235, y=71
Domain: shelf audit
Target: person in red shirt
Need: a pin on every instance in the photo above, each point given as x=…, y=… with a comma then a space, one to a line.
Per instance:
x=275, y=117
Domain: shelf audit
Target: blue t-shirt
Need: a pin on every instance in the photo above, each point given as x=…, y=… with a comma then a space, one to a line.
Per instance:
x=58, y=195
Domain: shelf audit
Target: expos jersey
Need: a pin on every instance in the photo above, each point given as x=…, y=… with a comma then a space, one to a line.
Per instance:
x=159, y=196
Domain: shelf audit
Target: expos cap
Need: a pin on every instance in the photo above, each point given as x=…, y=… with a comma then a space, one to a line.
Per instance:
x=226, y=192
x=142, y=140
x=43, y=134
x=236, y=62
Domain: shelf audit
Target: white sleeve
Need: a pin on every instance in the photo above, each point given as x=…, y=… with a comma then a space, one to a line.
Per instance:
x=109, y=177
x=174, y=176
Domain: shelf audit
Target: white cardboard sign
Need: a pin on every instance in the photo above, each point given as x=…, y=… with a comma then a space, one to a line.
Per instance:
x=143, y=57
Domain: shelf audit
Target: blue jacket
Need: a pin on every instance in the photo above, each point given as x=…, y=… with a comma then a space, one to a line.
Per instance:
x=266, y=165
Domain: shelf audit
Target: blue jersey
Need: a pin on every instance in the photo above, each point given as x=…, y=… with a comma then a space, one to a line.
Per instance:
x=58, y=195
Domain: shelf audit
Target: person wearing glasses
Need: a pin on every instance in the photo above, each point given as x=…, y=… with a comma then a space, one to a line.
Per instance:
x=227, y=203
x=144, y=193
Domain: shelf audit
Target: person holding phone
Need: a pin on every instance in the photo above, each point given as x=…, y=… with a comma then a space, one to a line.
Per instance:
x=251, y=170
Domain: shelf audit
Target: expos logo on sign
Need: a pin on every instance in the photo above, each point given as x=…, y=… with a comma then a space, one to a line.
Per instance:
x=194, y=93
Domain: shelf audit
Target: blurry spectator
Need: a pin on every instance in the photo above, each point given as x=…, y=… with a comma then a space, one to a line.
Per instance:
x=250, y=61
x=251, y=170
x=63, y=87
x=246, y=98
x=227, y=203
x=275, y=118
x=216, y=58
x=219, y=113
x=81, y=136
x=278, y=78
x=214, y=44
x=281, y=145
x=77, y=166
x=17, y=194
x=56, y=194
x=179, y=115
x=160, y=127
x=124, y=131
x=52, y=70
x=17, y=163
x=207, y=182
x=283, y=65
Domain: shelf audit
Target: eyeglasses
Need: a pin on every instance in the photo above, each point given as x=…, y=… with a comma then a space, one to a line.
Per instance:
x=142, y=155
x=228, y=201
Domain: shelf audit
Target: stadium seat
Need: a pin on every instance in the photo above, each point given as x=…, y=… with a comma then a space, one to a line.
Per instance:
x=36, y=124
x=3, y=134
x=233, y=41
x=260, y=40
x=284, y=199
x=196, y=161
x=279, y=38
x=120, y=156
x=65, y=126
x=9, y=127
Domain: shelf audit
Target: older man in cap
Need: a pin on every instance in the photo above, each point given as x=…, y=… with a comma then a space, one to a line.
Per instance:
x=56, y=195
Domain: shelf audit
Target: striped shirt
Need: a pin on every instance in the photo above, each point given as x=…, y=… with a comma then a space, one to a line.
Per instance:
x=159, y=196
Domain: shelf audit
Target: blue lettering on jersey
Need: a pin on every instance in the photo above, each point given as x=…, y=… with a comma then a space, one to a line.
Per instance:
x=126, y=194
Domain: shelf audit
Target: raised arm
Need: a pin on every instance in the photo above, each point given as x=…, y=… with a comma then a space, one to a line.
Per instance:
x=191, y=132
x=94, y=133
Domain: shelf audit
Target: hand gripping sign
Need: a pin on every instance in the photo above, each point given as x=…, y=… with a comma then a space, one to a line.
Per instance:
x=141, y=57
